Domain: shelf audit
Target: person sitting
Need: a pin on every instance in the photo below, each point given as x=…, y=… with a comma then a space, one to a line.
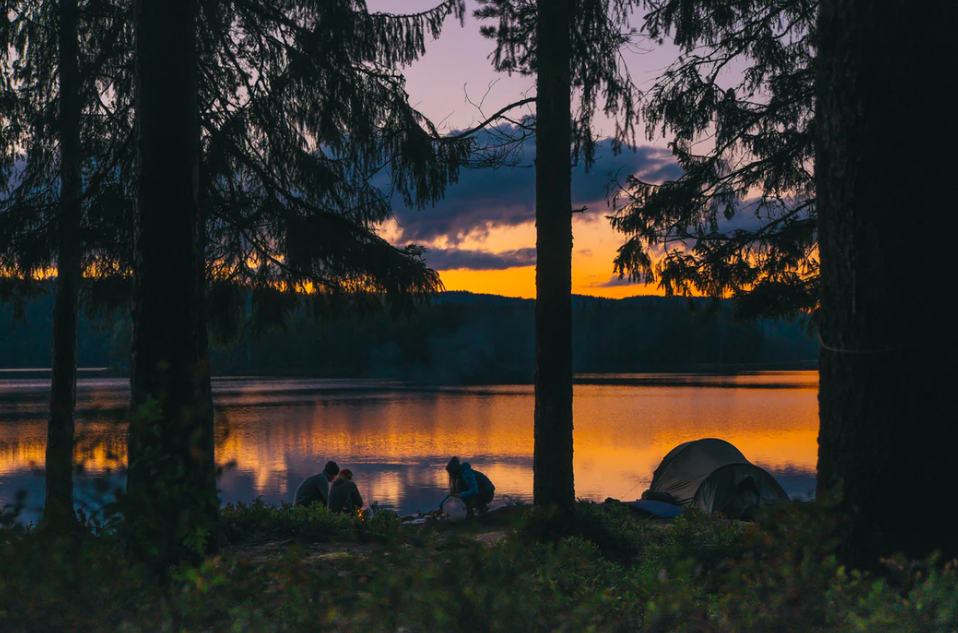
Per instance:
x=471, y=486
x=315, y=489
x=344, y=495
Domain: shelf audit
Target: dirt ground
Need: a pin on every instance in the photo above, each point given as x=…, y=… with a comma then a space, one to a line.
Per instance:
x=486, y=530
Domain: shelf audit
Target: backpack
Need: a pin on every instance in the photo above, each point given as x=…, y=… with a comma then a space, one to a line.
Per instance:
x=485, y=485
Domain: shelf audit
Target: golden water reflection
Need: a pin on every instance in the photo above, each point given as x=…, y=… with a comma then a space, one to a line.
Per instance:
x=273, y=433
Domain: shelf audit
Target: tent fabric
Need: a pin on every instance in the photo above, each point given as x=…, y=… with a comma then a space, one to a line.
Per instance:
x=686, y=466
x=738, y=490
x=714, y=476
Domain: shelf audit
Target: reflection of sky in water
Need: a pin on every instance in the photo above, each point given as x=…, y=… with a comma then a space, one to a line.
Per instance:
x=273, y=433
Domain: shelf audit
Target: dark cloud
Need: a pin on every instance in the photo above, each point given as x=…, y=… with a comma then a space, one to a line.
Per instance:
x=614, y=282
x=661, y=172
x=454, y=258
x=485, y=199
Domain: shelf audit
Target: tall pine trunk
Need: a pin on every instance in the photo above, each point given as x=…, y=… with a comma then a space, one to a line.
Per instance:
x=553, y=483
x=171, y=492
x=888, y=369
x=203, y=341
x=58, y=512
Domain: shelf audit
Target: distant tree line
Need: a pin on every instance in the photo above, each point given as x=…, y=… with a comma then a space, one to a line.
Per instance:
x=460, y=338
x=470, y=339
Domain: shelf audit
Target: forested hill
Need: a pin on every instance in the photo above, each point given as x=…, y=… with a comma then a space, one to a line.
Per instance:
x=459, y=338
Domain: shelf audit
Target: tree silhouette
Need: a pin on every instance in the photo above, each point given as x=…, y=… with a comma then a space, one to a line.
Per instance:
x=553, y=482
x=888, y=337
x=305, y=138
x=740, y=220
x=301, y=110
x=306, y=109
x=171, y=487
x=50, y=74
x=58, y=505
x=298, y=107
x=573, y=47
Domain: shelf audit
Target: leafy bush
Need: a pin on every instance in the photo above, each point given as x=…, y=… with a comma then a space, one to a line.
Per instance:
x=76, y=583
x=610, y=527
x=695, y=574
x=245, y=521
x=695, y=536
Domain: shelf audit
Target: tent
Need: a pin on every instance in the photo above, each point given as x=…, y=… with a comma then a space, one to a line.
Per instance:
x=714, y=476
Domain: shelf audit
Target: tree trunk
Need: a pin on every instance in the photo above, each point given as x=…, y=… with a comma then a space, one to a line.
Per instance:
x=203, y=343
x=553, y=483
x=171, y=489
x=888, y=370
x=58, y=512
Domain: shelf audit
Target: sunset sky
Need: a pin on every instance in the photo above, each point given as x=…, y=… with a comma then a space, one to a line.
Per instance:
x=482, y=236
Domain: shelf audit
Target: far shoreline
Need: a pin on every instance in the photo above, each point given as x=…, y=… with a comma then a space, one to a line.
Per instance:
x=662, y=377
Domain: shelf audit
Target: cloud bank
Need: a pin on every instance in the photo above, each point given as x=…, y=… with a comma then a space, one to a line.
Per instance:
x=456, y=259
x=486, y=199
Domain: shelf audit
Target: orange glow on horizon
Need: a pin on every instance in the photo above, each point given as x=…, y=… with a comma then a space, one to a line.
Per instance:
x=594, y=250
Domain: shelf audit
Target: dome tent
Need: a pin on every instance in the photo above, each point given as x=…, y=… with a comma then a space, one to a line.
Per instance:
x=714, y=476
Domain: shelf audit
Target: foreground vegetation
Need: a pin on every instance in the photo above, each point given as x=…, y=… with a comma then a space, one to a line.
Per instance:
x=290, y=569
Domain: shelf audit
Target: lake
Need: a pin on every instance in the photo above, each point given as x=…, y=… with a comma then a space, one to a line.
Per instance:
x=397, y=438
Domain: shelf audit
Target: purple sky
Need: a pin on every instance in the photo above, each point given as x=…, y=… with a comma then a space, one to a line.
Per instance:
x=458, y=63
x=482, y=236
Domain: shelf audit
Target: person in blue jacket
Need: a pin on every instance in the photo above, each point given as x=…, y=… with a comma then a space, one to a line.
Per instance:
x=470, y=485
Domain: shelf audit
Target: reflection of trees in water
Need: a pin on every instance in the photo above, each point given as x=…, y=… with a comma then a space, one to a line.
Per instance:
x=397, y=440
x=99, y=457
x=100, y=446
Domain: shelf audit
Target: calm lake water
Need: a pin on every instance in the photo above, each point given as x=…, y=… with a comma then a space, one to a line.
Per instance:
x=272, y=433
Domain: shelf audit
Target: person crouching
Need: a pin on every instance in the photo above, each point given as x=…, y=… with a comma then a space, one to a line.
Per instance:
x=471, y=486
x=344, y=494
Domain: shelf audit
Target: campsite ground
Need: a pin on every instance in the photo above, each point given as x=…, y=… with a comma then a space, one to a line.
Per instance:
x=289, y=569
x=270, y=547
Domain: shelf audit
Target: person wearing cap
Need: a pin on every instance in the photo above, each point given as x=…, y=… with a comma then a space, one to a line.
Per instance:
x=471, y=486
x=344, y=494
x=315, y=489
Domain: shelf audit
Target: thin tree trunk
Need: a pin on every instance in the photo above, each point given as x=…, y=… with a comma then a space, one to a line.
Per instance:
x=553, y=483
x=888, y=370
x=171, y=488
x=207, y=438
x=58, y=511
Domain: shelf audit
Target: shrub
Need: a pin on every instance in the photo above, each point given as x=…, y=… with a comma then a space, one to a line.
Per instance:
x=695, y=574
x=245, y=521
x=610, y=527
